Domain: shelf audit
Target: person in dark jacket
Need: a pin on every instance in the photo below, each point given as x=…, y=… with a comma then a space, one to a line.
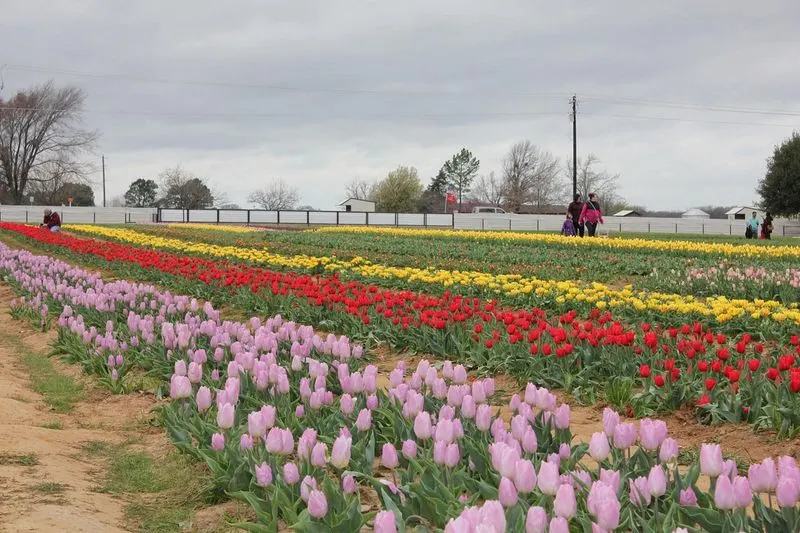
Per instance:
x=51, y=220
x=574, y=212
x=766, y=227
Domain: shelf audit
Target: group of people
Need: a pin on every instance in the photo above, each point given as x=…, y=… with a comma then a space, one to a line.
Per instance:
x=751, y=231
x=582, y=217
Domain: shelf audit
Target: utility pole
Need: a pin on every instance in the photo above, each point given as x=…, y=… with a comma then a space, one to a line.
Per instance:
x=574, y=102
x=103, y=162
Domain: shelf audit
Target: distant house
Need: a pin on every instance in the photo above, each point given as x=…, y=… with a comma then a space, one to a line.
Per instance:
x=627, y=213
x=355, y=204
x=743, y=213
x=697, y=214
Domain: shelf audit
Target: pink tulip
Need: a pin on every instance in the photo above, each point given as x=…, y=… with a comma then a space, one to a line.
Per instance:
x=610, y=478
x=385, y=522
x=306, y=486
x=529, y=442
x=687, y=497
x=409, y=449
x=246, y=442
x=599, y=447
x=364, y=420
x=263, y=475
x=548, y=479
x=559, y=524
x=787, y=492
x=225, y=416
x=269, y=413
x=439, y=452
x=349, y=485
x=318, y=455
x=203, y=399
x=565, y=504
x=657, y=481
x=256, y=425
x=217, y=442
x=524, y=476
x=274, y=441
x=483, y=417
x=723, y=494
x=389, y=457
x=669, y=451
x=610, y=421
x=452, y=455
x=742, y=493
x=290, y=474
x=652, y=433
x=639, y=492
x=423, y=425
x=562, y=417
x=711, y=460
x=346, y=404
x=507, y=493
x=340, y=455
x=317, y=504
x=536, y=520
x=624, y=436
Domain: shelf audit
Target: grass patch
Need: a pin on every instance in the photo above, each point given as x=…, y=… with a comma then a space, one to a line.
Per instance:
x=53, y=425
x=50, y=488
x=7, y=459
x=95, y=447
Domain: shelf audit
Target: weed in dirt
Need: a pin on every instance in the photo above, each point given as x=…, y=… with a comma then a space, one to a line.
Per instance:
x=7, y=459
x=60, y=392
x=53, y=425
x=50, y=488
x=95, y=447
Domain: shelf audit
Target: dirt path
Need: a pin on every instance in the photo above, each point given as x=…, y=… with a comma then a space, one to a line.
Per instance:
x=75, y=458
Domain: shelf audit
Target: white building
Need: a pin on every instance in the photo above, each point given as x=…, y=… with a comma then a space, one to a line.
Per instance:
x=696, y=214
x=356, y=205
x=743, y=213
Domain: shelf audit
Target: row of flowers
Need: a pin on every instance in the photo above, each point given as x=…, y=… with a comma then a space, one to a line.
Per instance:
x=509, y=287
x=685, y=247
x=729, y=378
x=293, y=423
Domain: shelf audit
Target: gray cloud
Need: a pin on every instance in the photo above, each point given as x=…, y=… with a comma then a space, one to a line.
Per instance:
x=421, y=80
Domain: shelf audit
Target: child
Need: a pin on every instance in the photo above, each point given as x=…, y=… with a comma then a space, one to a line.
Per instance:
x=568, y=229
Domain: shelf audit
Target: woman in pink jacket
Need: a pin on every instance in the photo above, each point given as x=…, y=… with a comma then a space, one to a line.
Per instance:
x=591, y=215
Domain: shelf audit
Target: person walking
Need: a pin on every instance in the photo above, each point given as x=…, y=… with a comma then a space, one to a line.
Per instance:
x=591, y=214
x=574, y=212
x=752, y=227
x=766, y=227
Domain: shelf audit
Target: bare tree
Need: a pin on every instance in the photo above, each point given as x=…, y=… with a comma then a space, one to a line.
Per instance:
x=275, y=196
x=41, y=138
x=358, y=188
x=530, y=176
x=489, y=189
x=590, y=180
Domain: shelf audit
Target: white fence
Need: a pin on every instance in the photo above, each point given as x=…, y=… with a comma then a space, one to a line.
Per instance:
x=78, y=215
x=619, y=224
x=129, y=215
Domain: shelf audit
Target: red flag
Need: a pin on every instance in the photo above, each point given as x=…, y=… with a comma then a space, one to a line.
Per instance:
x=451, y=198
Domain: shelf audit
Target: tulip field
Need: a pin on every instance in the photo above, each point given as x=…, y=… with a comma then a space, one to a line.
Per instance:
x=269, y=349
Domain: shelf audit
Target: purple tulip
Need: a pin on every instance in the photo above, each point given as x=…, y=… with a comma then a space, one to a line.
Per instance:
x=787, y=492
x=306, y=486
x=624, y=436
x=639, y=492
x=245, y=442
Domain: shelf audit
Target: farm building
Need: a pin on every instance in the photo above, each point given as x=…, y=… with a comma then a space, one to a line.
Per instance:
x=355, y=204
x=696, y=214
x=627, y=213
x=743, y=213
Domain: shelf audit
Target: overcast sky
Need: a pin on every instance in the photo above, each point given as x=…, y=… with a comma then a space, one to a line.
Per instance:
x=316, y=92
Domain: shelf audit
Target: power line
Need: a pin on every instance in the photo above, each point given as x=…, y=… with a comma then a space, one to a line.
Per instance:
x=405, y=92
x=284, y=88
x=692, y=120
